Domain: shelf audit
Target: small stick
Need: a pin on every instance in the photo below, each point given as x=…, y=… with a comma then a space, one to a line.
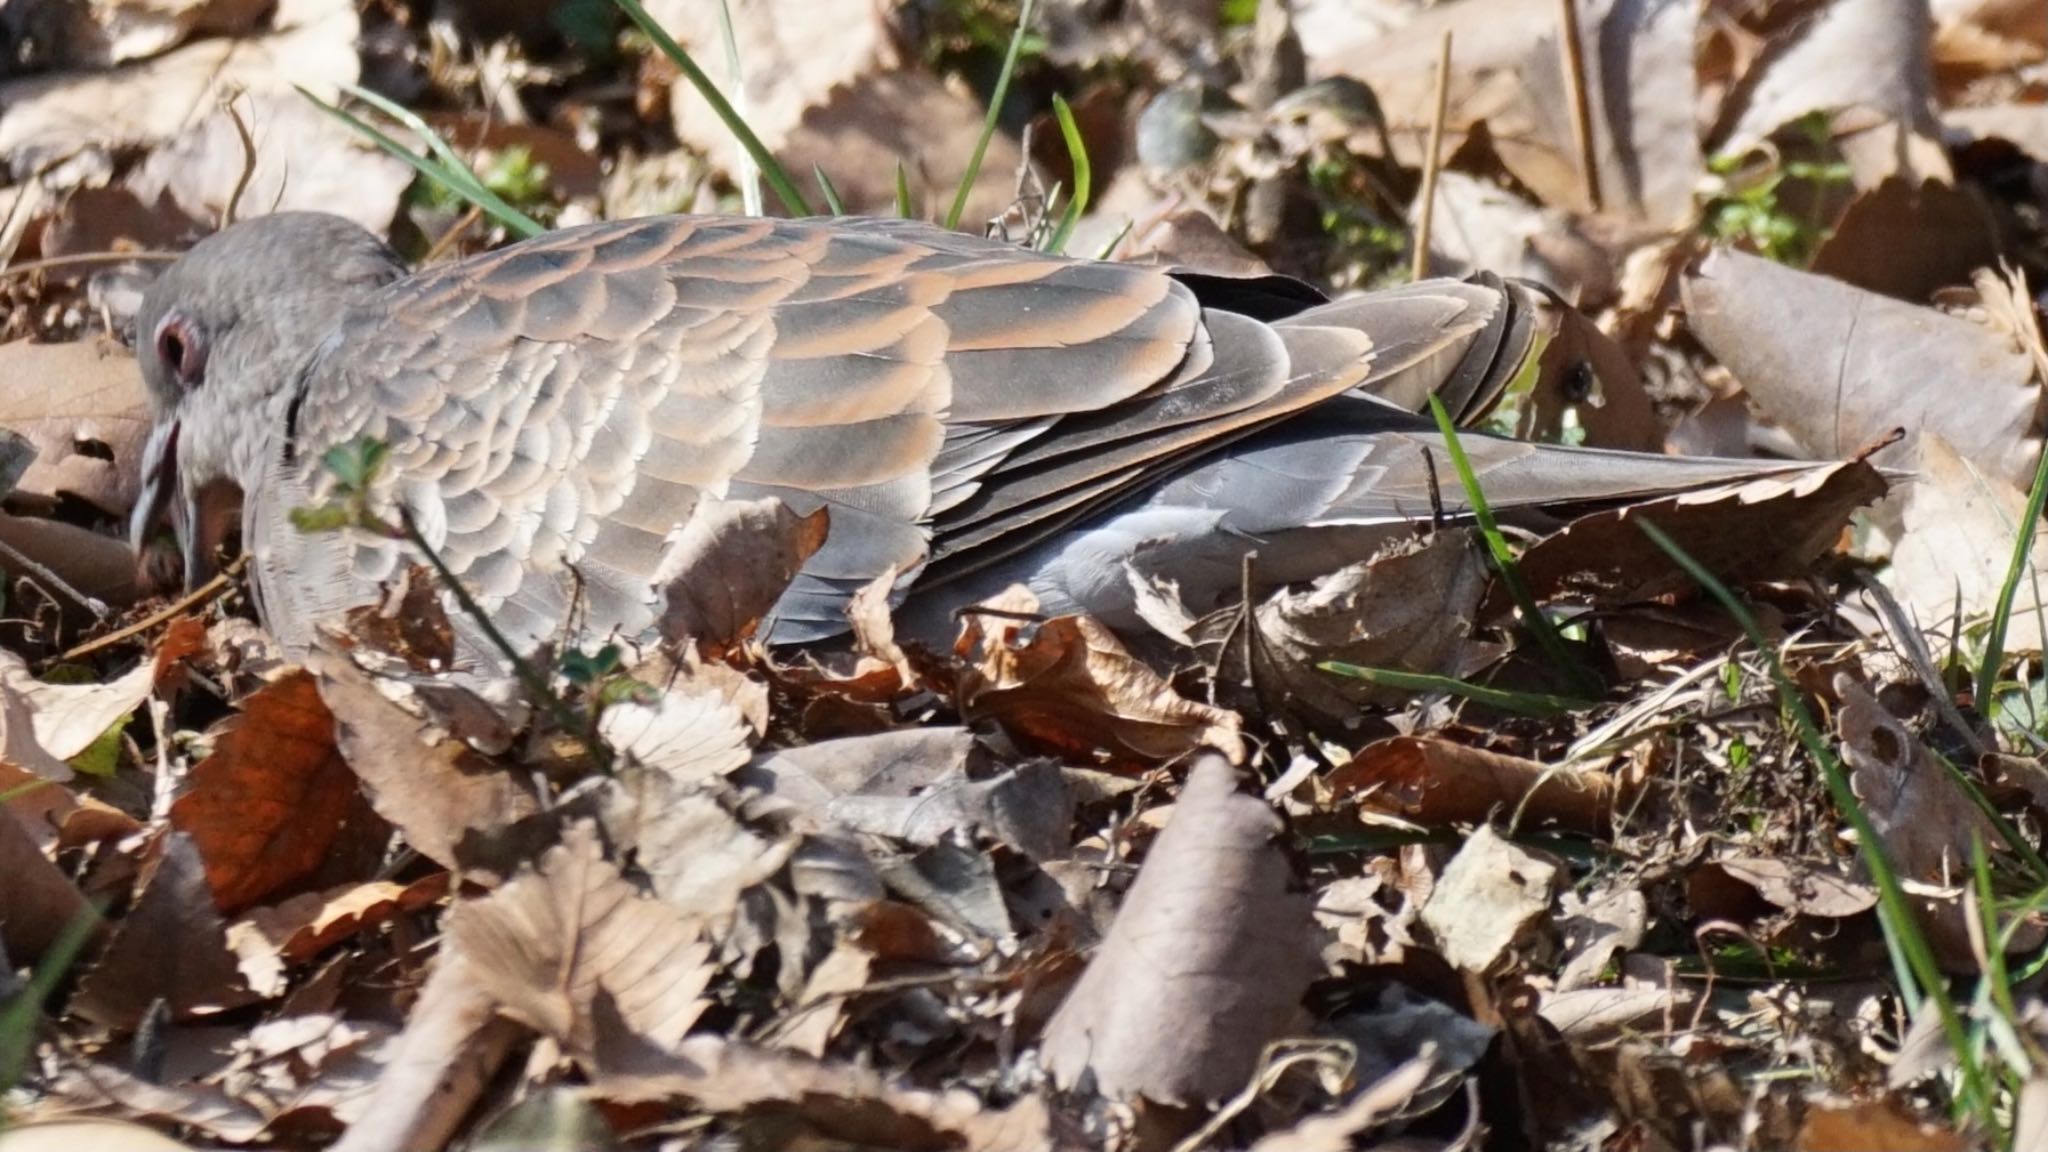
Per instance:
x=452, y=236
x=1582, y=108
x=1432, y=160
x=178, y=607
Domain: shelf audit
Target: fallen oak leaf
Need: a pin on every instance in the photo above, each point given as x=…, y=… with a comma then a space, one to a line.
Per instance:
x=1206, y=962
x=544, y=945
x=275, y=803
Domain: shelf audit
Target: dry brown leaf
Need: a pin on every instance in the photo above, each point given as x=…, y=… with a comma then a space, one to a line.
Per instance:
x=43, y=725
x=1379, y=1102
x=860, y=133
x=915, y=784
x=549, y=940
x=1840, y=368
x=1772, y=527
x=1493, y=42
x=1596, y=1015
x=1595, y=928
x=38, y=902
x=2023, y=125
x=792, y=54
x=1584, y=371
x=1906, y=241
x=700, y=857
x=838, y=1104
x=1956, y=547
x=1439, y=784
x=1875, y=1126
x=1071, y=686
x=821, y=1006
x=171, y=946
x=99, y=33
x=825, y=86
x=456, y=807
x=1206, y=963
x=1925, y=821
x=49, y=118
x=1410, y=608
x=94, y=564
x=305, y=161
x=83, y=407
x=1799, y=886
x=276, y=805
x=1507, y=79
x=1866, y=63
x=304, y=926
x=452, y=1046
x=1478, y=225
x=729, y=564
x=2030, y=1119
x=1489, y=893
x=321, y=1067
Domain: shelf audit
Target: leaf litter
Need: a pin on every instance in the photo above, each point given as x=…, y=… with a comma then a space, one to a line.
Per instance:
x=1058, y=885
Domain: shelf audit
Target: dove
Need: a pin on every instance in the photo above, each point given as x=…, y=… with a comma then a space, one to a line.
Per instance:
x=970, y=413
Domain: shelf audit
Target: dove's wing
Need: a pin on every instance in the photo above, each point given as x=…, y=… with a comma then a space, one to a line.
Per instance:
x=567, y=401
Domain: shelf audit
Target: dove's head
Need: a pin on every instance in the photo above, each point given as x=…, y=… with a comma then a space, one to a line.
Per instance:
x=223, y=337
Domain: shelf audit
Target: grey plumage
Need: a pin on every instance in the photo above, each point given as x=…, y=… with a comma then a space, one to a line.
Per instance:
x=970, y=412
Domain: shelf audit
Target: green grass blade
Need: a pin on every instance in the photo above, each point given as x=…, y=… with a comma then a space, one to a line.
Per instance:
x=831, y=194
x=18, y=1016
x=902, y=192
x=1539, y=625
x=1895, y=914
x=2001, y=615
x=771, y=169
x=453, y=175
x=1521, y=703
x=1077, y=150
x=1109, y=249
x=995, y=108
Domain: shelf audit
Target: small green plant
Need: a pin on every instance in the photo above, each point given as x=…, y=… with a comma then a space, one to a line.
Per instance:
x=512, y=174
x=1356, y=219
x=1754, y=206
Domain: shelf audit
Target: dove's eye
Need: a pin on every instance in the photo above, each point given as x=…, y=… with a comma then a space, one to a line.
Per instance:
x=181, y=348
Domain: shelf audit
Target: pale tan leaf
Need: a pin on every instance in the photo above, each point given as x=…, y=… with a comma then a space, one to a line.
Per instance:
x=43, y=725
x=305, y=160
x=1488, y=894
x=456, y=807
x=1866, y=63
x=83, y=407
x=1956, y=547
x=548, y=941
x=47, y=118
x=686, y=736
x=914, y=784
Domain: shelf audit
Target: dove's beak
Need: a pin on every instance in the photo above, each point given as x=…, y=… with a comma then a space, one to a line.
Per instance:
x=200, y=520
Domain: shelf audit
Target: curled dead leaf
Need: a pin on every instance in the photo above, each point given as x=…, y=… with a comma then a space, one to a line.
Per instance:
x=1071, y=686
